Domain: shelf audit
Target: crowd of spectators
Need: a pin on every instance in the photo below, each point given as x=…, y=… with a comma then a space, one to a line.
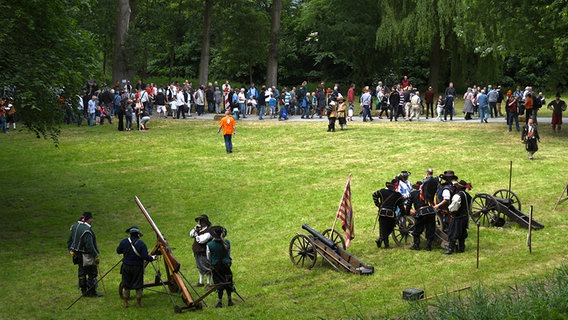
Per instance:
x=402, y=101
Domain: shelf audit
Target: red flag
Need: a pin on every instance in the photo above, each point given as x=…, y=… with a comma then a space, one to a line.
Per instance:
x=345, y=213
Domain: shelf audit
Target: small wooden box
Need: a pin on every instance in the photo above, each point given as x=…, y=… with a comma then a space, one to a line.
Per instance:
x=413, y=294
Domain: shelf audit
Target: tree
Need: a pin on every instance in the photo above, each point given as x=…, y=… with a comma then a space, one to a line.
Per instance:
x=205, y=43
x=120, y=66
x=45, y=52
x=274, y=44
x=422, y=24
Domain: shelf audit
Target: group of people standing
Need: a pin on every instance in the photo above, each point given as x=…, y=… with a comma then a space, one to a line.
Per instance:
x=212, y=254
x=445, y=196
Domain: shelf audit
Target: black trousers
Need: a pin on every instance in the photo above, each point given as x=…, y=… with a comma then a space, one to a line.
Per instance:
x=424, y=222
x=386, y=227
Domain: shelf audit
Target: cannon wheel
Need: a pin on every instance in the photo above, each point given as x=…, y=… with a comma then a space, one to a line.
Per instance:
x=402, y=233
x=484, y=209
x=302, y=252
x=508, y=194
x=335, y=236
x=441, y=234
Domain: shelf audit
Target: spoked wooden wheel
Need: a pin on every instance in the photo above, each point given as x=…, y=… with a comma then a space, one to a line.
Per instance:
x=441, y=234
x=302, y=252
x=335, y=236
x=402, y=233
x=509, y=196
x=484, y=209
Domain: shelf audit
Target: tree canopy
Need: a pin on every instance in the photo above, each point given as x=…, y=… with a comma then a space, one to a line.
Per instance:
x=50, y=45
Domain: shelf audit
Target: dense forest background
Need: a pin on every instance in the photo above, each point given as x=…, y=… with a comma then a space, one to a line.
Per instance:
x=46, y=45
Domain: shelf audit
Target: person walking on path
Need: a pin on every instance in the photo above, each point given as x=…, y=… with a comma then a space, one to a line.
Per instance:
x=228, y=125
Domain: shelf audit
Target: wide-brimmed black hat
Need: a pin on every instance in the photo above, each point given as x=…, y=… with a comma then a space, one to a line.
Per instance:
x=217, y=232
x=463, y=184
x=450, y=175
x=134, y=229
x=204, y=218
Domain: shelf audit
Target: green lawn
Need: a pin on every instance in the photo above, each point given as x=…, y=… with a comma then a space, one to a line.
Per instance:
x=280, y=176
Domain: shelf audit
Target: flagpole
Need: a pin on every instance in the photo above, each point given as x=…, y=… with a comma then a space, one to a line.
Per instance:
x=340, y=202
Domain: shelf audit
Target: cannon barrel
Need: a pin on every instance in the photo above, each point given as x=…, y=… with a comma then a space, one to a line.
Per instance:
x=320, y=237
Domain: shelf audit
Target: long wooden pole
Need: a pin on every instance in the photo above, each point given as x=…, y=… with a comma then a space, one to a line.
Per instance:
x=529, y=236
x=439, y=294
x=340, y=201
x=510, y=174
x=477, y=255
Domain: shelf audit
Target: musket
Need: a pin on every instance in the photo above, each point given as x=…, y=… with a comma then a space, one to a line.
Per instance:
x=175, y=280
x=171, y=261
x=95, y=284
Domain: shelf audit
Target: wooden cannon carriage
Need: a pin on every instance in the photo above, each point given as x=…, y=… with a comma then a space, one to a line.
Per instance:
x=491, y=210
x=304, y=250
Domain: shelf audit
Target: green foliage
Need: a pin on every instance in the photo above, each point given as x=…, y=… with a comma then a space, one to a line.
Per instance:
x=535, y=299
x=43, y=50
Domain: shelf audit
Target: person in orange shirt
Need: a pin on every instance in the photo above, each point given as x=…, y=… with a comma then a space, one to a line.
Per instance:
x=228, y=125
x=528, y=107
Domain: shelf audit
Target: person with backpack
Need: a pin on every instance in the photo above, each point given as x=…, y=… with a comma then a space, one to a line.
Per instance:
x=459, y=208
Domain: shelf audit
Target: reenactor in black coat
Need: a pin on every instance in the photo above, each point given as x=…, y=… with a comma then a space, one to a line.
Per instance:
x=390, y=204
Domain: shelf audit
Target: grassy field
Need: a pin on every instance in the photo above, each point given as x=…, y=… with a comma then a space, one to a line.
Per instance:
x=280, y=176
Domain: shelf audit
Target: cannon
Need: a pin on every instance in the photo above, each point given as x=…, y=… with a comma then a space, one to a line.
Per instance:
x=491, y=210
x=305, y=248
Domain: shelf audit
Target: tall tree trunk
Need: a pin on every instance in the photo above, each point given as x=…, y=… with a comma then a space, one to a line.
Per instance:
x=120, y=69
x=206, y=43
x=435, y=59
x=274, y=45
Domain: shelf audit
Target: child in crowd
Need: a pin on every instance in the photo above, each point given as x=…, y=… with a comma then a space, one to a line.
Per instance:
x=272, y=104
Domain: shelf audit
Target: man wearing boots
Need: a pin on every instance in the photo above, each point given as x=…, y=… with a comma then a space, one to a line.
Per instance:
x=201, y=236
x=424, y=214
x=219, y=255
x=134, y=253
x=388, y=200
x=82, y=245
x=459, y=208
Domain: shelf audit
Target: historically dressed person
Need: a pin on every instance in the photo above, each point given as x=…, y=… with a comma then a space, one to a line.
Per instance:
x=404, y=187
x=425, y=217
x=82, y=245
x=201, y=236
x=219, y=255
x=228, y=124
x=557, y=106
x=444, y=195
x=342, y=113
x=134, y=253
x=530, y=138
x=390, y=202
x=459, y=209
x=331, y=116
